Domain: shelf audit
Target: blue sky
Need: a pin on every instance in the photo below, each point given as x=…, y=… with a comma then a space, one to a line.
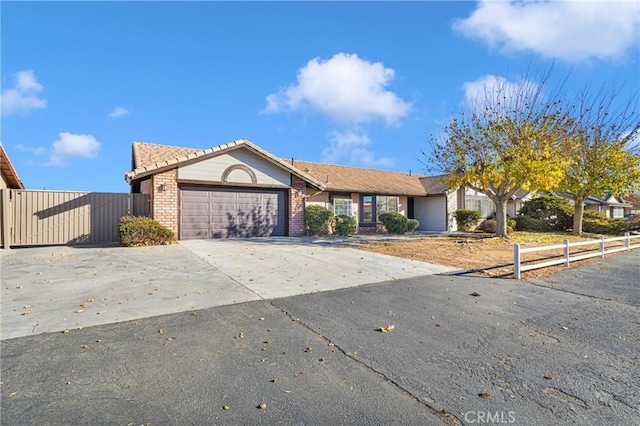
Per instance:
x=353, y=83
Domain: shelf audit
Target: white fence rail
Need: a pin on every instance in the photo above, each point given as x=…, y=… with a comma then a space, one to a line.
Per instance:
x=566, y=258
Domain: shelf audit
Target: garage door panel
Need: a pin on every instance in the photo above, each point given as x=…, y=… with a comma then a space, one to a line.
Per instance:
x=225, y=213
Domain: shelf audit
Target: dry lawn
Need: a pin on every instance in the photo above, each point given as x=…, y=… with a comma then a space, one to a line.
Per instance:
x=487, y=255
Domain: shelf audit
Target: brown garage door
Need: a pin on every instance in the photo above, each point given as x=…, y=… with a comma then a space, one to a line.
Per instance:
x=231, y=213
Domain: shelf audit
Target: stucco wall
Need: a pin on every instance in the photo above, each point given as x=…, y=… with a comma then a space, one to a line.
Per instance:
x=240, y=166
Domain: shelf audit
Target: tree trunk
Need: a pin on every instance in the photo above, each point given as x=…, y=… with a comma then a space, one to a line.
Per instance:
x=501, y=217
x=577, y=216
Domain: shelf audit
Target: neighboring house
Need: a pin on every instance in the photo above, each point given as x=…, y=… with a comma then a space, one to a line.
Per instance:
x=10, y=178
x=633, y=204
x=609, y=205
x=238, y=189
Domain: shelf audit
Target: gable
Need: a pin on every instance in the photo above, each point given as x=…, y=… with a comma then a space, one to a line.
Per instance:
x=240, y=166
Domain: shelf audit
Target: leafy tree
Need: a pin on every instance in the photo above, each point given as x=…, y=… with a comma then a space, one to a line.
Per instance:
x=604, y=158
x=511, y=140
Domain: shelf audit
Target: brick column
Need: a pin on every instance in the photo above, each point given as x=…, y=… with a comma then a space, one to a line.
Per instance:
x=164, y=203
x=297, y=195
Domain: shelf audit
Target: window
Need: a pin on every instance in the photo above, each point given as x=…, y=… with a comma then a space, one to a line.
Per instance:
x=342, y=206
x=367, y=208
x=481, y=204
x=385, y=204
x=382, y=203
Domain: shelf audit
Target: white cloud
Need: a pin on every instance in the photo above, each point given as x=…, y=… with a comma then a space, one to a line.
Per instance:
x=31, y=150
x=351, y=145
x=69, y=145
x=346, y=88
x=23, y=96
x=118, y=112
x=495, y=90
x=573, y=31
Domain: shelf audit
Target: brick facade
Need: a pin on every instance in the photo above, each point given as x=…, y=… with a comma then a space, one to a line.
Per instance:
x=297, y=194
x=164, y=202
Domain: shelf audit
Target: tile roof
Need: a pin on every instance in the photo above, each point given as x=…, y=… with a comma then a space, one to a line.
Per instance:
x=7, y=170
x=149, y=158
x=355, y=179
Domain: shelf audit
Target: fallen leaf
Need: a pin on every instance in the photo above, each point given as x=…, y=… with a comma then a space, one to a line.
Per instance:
x=485, y=395
x=239, y=336
x=225, y=407
x=90, y=300
x=25, y=313
x=79, y=311
x=85, y=346
x=475, y=294
x=27, y=306
x=261, y=319
x=387, y=329
x=548, y=376
x=262, y=406
x=564, y=327
x=308, y=350
x=66, y=330
x=161, y=331
x=287, y=392
x=12, y=394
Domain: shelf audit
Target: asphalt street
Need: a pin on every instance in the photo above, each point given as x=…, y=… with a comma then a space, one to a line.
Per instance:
x=463, y=350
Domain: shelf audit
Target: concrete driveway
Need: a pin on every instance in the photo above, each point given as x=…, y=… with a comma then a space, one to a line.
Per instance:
x=49, y=289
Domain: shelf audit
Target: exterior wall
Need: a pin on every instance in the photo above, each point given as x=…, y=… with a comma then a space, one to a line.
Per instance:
x=513, y=207
x=452, y=206
x=164, y=203
x=213, y=169
x=431, y=212
x=3, y=182
x=402, y=205
x=321, y=199
x=296, y=206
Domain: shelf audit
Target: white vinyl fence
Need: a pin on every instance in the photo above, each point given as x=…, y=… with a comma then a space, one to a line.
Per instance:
x=566, y=258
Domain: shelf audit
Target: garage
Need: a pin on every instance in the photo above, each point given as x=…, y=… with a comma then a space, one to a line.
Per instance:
x=207, y=212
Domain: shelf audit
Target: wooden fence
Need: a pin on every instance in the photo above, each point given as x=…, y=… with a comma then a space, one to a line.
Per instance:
x=29, y=218
x=567, y=258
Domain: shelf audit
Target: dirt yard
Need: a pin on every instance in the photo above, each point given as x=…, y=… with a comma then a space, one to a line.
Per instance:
x=484, y=254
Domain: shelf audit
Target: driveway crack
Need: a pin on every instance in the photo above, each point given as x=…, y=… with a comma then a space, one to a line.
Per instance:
x=446, y=417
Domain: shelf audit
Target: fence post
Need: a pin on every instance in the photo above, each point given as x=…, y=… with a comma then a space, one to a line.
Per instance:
x=566, y=252
x=602, y=246
x=628, y=240
x=516, y=261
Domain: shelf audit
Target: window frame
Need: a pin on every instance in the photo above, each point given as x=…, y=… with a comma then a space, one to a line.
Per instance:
x=374, y=209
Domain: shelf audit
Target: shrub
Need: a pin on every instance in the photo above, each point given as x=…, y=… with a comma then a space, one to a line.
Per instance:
x=138, y=231
x=632, y=224
x=595, y=222
x=466, y=219
x=345, y=225
x=317, y=220
x=554, y=210
x=412, y=225
x=395, y=223
x=490, y=226
x=528, y=223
